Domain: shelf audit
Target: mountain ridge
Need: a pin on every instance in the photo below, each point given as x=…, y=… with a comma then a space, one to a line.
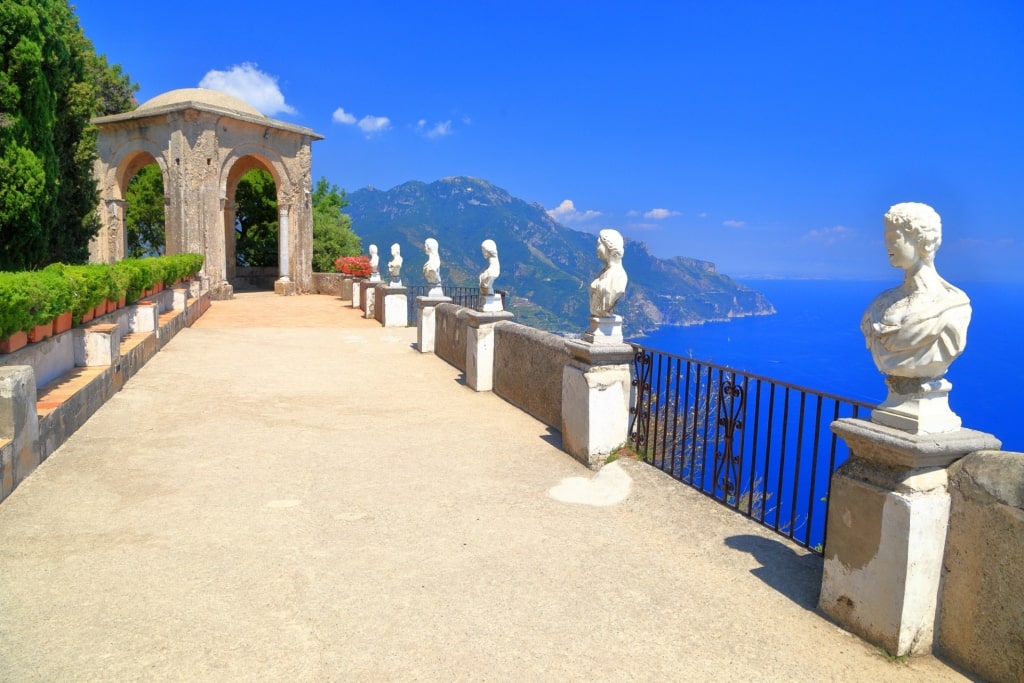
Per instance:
x=546, y=266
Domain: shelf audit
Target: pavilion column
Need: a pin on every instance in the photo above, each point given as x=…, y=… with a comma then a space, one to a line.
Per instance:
x=284, y=285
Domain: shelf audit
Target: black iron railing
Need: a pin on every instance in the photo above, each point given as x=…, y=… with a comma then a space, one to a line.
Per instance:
x=761, y=447
x=461, y=296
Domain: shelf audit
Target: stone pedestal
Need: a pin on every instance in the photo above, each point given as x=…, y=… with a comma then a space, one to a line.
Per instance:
x=604, y=330
x=222, y=291
x=480, y=348
x=596, y=386
x=917, y=406
x=285, y=287
x=426, y=321
x=396, y=306
x=357, y=288
x=491, y=303
x=888, y=512
x=18, y=424
x=368, y=300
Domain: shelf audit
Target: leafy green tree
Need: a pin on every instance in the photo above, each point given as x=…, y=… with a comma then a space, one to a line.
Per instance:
x=51, y=82
x=332, y=229
x=145, y=215
x=256, y=219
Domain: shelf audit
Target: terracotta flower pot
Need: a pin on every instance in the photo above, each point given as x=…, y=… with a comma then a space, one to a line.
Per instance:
x=100, y=309
x=62, y=323
x=88, y=315
x=40, y=332
x=111, y=305
x=121, y=301
x=14, y=342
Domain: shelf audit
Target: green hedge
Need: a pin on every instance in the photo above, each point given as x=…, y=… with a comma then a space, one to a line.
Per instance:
x=33, y=298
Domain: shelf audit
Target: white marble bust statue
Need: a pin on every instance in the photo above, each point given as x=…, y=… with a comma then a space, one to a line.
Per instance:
x=374, y=263
x=917, y=329
x=493, y=269
x=395, y=264
x=608, y=287
x=432, y=268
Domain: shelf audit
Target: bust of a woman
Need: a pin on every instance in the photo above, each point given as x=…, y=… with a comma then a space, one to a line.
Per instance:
x=432, y=268
x=608, y=287
x=489, y=274
x=917, y=329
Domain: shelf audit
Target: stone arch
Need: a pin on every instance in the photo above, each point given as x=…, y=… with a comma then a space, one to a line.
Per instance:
x=202, y=140
x=243, y=159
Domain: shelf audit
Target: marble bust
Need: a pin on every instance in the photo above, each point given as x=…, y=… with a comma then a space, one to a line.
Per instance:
x=395, y=264
x=608, y=287
x=493, y=269
x=490, y=301
x=916, y=330
x=432, y=268
x=374, y=263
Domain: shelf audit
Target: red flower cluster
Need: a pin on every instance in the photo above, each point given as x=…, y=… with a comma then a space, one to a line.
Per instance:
x=356, y=266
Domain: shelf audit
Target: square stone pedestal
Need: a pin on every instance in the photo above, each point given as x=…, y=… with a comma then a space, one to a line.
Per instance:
x=395, y=309
x=480, y=348
x=426, y=321
x=596, y=386
x=368, y=300
x=888, y=511
x=357, y=289
x=285, y=287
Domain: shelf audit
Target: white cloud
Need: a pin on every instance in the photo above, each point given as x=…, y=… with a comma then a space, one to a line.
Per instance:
x=734, y=224
x=632, y=213
x=829, y=236
x=438, y=130
x=660, y=214
x=702, y=214
x=342, y=116
x=374, y=124
x=248, y=83
x=566, y=212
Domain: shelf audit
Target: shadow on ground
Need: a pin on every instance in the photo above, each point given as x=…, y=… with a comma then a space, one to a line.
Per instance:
x=794, y=574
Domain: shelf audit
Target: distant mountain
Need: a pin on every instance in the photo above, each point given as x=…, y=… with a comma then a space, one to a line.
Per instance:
x=545, y=266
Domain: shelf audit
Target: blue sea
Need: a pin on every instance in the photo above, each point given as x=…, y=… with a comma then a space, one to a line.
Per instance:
x=814, y=340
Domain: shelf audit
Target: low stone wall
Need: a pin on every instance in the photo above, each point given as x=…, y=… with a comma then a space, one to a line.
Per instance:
x=528, y=365
x=981, y=608
x=450, y=335
x=335, y=284
x=49, y=389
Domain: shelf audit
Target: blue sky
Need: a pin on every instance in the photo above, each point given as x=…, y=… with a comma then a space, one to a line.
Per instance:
x=769, y=138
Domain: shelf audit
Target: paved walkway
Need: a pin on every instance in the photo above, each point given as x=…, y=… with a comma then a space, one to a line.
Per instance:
x=288, y=492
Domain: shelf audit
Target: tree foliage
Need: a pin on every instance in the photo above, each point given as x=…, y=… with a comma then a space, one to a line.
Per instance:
x=332, y=229
x=256, y=219
x=51, y=84
x=144, y=219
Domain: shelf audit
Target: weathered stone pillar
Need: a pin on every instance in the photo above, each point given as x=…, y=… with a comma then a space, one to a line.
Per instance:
x=426, y=321
x=595, y=398
x=888, y=511
x=368, y=300
x=19, y=425
x=357, y=287
x=480, y=347
x=395, y=308
x=284, y=285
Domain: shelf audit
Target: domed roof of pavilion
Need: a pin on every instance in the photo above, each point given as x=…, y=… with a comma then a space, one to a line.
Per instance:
x=213, y=98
